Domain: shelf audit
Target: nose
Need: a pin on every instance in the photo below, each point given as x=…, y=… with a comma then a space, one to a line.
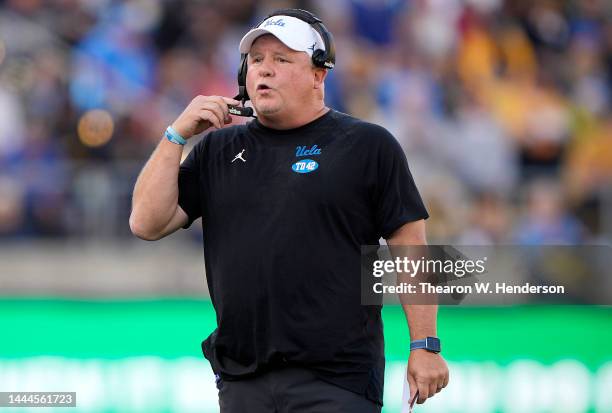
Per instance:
x=265, y=68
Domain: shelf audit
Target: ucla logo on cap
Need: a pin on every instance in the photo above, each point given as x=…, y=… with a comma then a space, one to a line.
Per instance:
x=304, y=166
x=277, y=22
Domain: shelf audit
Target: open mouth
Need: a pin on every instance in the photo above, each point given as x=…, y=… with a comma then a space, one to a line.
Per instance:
x=263, y=87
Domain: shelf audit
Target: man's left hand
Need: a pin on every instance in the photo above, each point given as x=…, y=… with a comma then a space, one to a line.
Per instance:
x=427, y=373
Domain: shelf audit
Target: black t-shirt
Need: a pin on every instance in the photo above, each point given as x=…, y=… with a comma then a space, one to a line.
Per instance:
x=284, y=215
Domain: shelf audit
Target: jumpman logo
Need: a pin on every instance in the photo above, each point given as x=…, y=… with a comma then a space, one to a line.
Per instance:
x=239, y=156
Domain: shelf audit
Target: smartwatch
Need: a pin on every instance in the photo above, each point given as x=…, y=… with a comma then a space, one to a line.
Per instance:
x=431, y=344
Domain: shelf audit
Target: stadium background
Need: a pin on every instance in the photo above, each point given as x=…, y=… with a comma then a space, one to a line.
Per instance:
x=503, y=109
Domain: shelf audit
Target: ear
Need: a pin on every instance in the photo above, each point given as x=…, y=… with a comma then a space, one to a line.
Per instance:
x=319, y=77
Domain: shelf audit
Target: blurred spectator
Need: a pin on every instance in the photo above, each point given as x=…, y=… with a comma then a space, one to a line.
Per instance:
x=490, y=164
x=11, y=124
x=373, y=19
x=545, y=219
x=114, y=63
x=12, y=207
x=489, y=221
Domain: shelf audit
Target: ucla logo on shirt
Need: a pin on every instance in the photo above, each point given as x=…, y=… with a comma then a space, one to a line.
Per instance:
x=304, y=166
x=305, y=151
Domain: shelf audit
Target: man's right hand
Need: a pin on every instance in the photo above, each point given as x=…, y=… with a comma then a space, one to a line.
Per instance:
x=202, y=113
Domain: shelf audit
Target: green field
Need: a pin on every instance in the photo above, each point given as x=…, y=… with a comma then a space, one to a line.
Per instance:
x=503, y=347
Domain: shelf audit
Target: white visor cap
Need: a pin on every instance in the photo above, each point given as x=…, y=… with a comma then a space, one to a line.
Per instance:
x=296, y=34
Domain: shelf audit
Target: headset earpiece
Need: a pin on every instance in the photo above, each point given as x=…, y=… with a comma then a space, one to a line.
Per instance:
x=320, y=58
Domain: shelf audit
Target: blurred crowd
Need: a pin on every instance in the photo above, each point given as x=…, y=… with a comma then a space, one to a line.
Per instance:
x=503, y=107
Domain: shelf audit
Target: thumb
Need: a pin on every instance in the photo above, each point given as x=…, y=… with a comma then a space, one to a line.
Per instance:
x=412, y=385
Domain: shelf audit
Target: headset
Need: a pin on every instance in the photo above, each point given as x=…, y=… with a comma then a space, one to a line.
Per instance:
x=325, y=59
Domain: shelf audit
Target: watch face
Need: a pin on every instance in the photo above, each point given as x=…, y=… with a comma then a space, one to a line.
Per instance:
x=432, y=344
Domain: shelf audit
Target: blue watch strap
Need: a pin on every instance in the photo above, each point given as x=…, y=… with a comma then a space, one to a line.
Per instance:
x=417, y=344
x=174, y=137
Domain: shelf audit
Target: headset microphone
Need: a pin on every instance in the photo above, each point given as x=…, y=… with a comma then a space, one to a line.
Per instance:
x=242, y=96
x=240, y=110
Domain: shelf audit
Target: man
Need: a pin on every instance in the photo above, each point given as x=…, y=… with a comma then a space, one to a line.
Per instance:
x=286, y=202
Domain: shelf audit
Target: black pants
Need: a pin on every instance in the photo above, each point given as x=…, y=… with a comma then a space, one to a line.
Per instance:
x=290, y=390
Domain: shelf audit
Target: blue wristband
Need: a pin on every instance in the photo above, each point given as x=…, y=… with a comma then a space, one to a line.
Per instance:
x=174, y=137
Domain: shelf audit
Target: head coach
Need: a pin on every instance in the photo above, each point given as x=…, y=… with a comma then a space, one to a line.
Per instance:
x=286, y=201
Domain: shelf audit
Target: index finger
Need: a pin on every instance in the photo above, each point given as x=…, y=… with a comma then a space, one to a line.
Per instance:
x=423, y=392
x=230, y=101
x=412, y=386
x=226, y=101
x=223, y=102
